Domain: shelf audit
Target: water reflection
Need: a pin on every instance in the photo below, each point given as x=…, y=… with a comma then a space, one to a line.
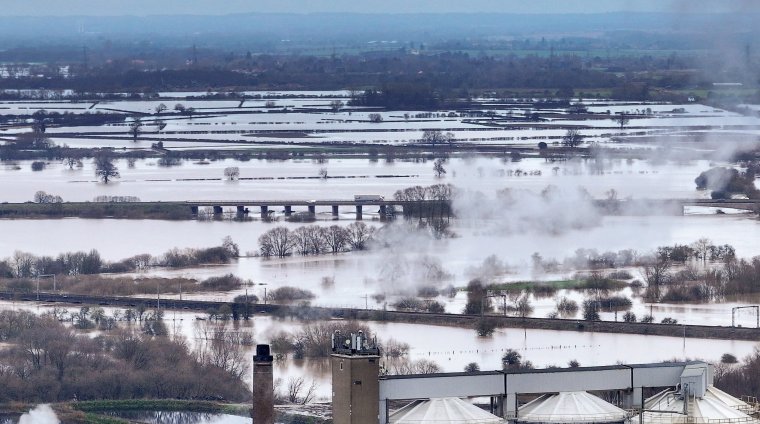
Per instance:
x=175, y=417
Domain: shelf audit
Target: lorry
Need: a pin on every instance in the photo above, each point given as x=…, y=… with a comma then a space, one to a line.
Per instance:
x=368, y=198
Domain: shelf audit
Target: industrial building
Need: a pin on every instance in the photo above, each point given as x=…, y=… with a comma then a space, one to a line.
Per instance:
x=677, y=393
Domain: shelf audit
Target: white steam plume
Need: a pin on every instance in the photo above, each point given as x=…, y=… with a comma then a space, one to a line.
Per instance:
x=41, y=414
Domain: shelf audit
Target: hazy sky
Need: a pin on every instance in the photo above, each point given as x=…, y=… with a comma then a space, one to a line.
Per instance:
x=216, y=7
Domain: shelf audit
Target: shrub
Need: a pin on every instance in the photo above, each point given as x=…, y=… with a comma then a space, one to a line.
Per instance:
x=485, y=326
x=629, y=317
x=567, y=306
x=728, y=358
x=591, y=310
x=289, y=294
x=222, y=283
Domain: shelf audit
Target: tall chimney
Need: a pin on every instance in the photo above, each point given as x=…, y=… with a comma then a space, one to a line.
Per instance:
x=263, y=386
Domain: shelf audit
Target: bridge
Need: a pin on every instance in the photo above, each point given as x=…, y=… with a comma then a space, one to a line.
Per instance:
x=386, y=208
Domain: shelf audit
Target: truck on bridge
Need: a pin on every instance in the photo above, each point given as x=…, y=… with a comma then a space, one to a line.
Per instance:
x=368, y=198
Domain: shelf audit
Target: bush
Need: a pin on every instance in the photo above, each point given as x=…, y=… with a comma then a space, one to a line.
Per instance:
x=409, y=304
x=485, y=327
x=222, y=283
x=669, y=320
x=728, y=358
x=591, y=310
x=629, y=317
x=38, y=165
x=289, y=294
x=615, y=303
x=567, y=306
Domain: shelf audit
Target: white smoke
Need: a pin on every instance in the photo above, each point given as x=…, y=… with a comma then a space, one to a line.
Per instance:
x=41, y=414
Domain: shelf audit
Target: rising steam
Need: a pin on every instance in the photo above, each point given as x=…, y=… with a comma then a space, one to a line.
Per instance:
x=41, y=414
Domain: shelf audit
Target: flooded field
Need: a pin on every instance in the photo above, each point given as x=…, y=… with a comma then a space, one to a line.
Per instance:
x=300, y=180
x=405, y=259
x=452, y=348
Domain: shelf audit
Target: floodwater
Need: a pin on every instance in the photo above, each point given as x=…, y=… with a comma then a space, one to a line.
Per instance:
x=165, y=417
x=452, y=348
x=298, y=179
x=312, y=118
x=355, y=277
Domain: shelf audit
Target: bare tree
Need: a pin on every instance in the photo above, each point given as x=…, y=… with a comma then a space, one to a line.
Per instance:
x=323, y=173
x=299, y=393
x=375, y=118
x=72, y=159
x=278, y=241
x=336, y=105
x=336, y=238
x=433, y=137
x=135, y=128
x=438, y=167
x=572, y=138
x=359, y=234
x=219, y=346
x=309, y=240
x=232, y=173
x=702, y=249
x=622, y=119
x=656, y=275
x=105, y=168
x=160, y=108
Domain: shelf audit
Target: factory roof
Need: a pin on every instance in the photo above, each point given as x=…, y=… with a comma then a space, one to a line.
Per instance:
x=570, y=407
x=443, y=411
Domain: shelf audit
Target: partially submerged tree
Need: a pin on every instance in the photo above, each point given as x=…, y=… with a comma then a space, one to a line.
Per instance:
x=105, y=169
x=622, y=119
x=232, y=173
x=438, y=167
x=135, y=128
x=572, y=138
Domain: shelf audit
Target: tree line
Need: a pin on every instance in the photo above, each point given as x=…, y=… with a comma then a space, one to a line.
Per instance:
x=314, y=240
x=45, y=361
x=27, y=265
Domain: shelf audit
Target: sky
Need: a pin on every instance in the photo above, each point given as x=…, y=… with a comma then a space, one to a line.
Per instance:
x=221, y=7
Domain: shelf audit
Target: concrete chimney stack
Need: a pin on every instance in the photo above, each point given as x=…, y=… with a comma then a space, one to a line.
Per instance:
x=263, y=386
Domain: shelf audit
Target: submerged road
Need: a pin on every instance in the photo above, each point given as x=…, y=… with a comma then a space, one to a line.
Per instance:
x=454, y=320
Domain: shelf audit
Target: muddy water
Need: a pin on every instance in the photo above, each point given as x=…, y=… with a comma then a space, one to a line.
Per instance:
x=352, y=279
x=452, y=348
